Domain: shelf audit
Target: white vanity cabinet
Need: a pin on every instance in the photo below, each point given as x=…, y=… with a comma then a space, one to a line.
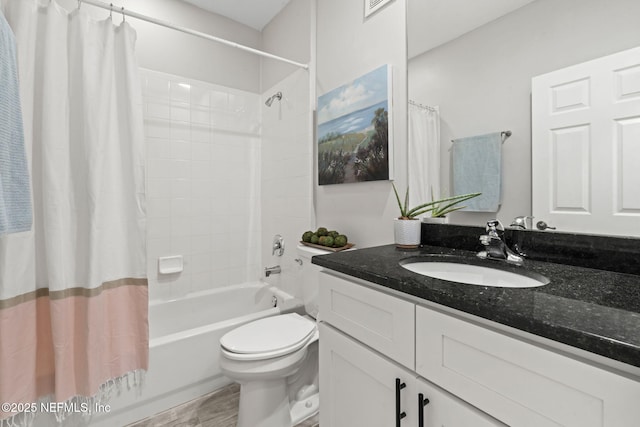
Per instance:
x=359, y=384
x=382, y=355
x=360, y=387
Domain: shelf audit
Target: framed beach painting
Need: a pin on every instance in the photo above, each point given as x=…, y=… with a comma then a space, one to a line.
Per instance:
x=353, y=134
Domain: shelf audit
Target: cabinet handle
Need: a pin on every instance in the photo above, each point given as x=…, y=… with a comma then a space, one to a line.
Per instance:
x=422, y=402
x=399, y=413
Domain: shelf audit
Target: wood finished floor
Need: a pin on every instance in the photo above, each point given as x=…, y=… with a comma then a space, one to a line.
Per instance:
x=217, y=409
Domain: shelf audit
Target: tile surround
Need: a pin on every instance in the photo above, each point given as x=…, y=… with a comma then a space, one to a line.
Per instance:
x=287, y=175
x=203, y=187
x=225, y=173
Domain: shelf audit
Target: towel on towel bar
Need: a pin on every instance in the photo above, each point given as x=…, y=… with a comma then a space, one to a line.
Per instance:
x=15, y=194
x=477, y=167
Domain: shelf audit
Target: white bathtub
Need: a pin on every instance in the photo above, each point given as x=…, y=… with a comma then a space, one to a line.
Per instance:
x=184, y=346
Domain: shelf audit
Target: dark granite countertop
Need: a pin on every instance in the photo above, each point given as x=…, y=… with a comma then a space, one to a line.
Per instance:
x=593, y=310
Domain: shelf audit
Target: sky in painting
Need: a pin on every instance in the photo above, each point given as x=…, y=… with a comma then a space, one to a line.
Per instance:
x=364, y=91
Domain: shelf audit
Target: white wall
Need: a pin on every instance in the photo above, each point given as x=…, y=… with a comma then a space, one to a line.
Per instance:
x=482, y=80
x=287, y=35
x=170, y=51
x=349, y=46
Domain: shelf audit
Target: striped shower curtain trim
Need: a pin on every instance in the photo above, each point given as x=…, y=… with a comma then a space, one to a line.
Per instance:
x=81, y=406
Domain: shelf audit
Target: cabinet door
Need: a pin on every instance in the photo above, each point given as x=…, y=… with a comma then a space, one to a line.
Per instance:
x=358, y=386
x=517, y=382
x=380, y=321
x=444, y=409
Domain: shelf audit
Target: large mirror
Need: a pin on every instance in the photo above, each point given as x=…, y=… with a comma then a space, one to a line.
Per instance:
x=472, y=62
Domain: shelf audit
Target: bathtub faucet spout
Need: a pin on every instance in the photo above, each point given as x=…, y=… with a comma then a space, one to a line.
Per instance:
x=268, y=271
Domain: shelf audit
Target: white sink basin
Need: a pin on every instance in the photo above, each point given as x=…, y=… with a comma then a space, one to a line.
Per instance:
x=475, y=274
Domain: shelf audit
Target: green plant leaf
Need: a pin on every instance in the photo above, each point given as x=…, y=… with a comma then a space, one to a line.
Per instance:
x=420, y=212
x=441, y=211
x=402, y=210
x=444, y=212
x=406, y=201
x=434, y=204
x=438, y=208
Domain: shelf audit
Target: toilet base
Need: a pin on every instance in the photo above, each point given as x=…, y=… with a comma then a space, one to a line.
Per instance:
x=264, y=404
x=306, y=408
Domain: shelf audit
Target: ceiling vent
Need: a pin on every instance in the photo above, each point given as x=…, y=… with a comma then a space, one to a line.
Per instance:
x=370, y=6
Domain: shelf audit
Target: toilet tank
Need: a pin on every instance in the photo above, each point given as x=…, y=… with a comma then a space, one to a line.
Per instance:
x=310, y=277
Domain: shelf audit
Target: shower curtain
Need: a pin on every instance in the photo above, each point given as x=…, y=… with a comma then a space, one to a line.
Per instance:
x=424, y=153
x=73, y=290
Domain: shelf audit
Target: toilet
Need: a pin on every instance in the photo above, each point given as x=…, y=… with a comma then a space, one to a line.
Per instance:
x=275, y=359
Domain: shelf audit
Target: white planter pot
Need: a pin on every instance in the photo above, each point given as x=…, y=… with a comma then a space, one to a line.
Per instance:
x=439, y=220
x=407, y=232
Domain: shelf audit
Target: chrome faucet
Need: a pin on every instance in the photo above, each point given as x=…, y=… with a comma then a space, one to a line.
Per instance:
x=522, y=222
x=495, y=247
x=268, y=271
x=277, y=247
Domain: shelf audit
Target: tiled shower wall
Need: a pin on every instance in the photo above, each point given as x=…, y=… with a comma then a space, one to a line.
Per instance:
x=203, y=183
x=287, y=176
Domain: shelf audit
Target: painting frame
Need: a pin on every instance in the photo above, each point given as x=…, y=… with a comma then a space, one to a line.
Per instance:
x=354, y=137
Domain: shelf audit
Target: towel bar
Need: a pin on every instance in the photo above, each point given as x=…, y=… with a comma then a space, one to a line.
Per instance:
x=505, y=134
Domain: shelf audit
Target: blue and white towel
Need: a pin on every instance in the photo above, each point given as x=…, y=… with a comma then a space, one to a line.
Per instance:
x=477, y=167
x=15, y=195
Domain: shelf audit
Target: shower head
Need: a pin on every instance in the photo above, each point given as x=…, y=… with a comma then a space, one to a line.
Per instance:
x=270, y=100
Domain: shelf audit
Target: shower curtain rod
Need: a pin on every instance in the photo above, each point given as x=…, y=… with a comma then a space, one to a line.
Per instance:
x=426, y=107
x=166, y=24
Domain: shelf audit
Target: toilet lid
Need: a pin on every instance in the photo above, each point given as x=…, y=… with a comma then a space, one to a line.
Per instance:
x=272, y=336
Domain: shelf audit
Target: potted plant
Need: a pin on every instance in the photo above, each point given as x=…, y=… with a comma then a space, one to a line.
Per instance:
x=438, y=215
x=407, y=226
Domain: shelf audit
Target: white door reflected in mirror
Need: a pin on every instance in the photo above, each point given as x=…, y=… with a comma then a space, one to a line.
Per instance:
x=585, y=151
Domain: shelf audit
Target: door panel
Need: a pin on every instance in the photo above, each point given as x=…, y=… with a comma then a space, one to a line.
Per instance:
x=586, y=146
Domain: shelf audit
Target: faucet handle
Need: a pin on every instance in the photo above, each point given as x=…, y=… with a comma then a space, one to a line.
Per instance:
x=277, y=247
x=493, y=226
x=524, y=222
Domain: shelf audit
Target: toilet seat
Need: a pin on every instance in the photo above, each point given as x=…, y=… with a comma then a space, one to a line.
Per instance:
x=268, y=338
